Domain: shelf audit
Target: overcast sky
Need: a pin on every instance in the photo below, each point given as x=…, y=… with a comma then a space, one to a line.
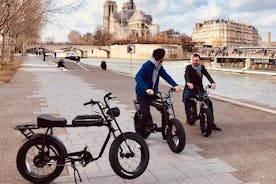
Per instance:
x=180, y=15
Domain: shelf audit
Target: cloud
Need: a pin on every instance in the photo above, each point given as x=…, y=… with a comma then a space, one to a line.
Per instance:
x=178, y=14
x=248, y=5
x=211, y=11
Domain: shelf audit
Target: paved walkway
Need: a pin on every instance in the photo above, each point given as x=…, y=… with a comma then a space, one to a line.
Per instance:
x=40, y=87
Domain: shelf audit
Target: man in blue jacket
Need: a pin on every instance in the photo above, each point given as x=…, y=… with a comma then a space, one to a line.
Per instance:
x=147, y=81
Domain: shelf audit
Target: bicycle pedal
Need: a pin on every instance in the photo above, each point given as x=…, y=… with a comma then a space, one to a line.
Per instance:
x=159, y=129
x=149, y=129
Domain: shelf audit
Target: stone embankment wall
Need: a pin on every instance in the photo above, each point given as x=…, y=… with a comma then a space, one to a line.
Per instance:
x=141, y=51
x=97, y=53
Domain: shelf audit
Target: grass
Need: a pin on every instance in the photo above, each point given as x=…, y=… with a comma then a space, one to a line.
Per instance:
x=8, y=70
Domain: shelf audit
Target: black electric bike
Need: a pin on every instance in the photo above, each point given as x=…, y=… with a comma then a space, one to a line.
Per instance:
x=171, y=128
x=42, y=157
x=205, y=116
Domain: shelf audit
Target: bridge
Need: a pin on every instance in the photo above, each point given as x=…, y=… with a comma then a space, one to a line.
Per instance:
x=85, y=50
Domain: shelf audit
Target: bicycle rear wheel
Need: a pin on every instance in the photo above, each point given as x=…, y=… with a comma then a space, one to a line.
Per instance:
x=41, y=161
x=129, y=155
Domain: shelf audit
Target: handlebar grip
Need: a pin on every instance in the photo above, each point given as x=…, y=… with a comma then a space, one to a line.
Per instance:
x=87, y=103
x=173, y=89
x=107, y=95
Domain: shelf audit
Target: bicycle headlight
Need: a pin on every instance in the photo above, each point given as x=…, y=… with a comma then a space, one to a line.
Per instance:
x=169, y=101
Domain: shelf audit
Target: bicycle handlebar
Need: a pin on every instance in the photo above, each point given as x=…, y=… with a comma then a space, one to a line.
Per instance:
x=91, y=102
x=106, y=97
x=172, y=90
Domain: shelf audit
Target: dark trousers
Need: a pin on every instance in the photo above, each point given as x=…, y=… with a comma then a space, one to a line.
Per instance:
x=146, y=118
x=187, y=95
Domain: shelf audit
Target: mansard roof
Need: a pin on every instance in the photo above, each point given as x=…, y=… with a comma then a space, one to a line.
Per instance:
x=140, y=16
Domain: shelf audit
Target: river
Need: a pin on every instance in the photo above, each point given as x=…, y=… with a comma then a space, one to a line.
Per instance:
x=252, y=88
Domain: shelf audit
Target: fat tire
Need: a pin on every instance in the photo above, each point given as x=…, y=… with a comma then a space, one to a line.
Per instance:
x=206, y=122
x=21, y=156
x=181, y=136
x=114, y=155
x=193, y=113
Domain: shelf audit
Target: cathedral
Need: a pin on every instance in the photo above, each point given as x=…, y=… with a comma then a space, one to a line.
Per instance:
x=128, y=23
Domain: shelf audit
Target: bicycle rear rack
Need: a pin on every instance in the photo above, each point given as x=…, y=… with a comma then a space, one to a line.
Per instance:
x=26, y=130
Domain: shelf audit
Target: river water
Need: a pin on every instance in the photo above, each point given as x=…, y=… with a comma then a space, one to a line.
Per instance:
x=252, y=88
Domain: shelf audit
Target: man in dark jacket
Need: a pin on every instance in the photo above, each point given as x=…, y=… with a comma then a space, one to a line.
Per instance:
x=193, y=77
x=147, y=81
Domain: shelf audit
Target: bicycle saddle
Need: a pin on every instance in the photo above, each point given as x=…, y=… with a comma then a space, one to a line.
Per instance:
x=45, y=120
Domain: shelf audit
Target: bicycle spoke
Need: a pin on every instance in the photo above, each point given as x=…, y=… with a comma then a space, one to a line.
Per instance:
x=46, y=168
x=130, y=164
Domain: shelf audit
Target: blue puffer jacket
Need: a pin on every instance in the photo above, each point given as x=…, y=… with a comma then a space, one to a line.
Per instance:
x=144, y=81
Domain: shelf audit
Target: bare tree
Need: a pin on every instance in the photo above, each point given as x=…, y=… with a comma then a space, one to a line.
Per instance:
x=22, y=20
x=74, y=37
x=5, y=12
x=88, y=38
x=101, y=37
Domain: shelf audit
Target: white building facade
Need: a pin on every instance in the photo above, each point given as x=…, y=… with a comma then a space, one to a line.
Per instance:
x=226, y=33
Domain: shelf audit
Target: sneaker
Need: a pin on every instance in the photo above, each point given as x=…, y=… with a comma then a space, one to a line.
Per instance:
x=164, y=139
x=215, y=127
x=190, y=122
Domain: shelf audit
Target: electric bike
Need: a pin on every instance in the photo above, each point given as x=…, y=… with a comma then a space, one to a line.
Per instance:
x=171, y=128
x=203, y=114
x=43, y=156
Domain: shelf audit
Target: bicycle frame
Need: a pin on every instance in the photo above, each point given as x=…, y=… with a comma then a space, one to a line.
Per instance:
x=201, y=98
x=27, y=131
x=166, y=103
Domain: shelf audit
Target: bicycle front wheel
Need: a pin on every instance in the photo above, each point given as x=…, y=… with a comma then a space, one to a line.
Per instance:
x=206, y=122
x=176, y=136
x=129, y=155
x=193, y=113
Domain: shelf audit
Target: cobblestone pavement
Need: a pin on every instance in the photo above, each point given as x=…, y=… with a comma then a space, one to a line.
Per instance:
x=41, y=87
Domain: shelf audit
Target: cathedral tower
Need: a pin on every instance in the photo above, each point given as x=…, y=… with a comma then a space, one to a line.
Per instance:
x=110, y=9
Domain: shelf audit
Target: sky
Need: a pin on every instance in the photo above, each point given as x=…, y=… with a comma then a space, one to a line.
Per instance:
x=181, y=15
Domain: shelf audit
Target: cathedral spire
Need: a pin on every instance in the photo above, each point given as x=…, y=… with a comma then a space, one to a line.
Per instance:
x=132, y=4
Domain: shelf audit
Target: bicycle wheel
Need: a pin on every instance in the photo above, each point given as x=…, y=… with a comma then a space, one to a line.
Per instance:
x=137, y=121
x=193, y=113
x=176, y=136
x=40, y=161
x=129, y=155
x=206, y=122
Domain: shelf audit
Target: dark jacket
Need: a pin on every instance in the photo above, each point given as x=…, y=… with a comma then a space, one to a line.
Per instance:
x=193, y=77
x=144, y=81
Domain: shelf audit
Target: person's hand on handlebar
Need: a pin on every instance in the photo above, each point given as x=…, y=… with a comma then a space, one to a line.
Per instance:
x=150, y=92
x=177, y=88
x=213, y=85
x=190, y=85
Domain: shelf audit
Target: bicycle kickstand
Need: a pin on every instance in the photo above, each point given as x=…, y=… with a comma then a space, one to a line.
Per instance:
x=76, y=171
